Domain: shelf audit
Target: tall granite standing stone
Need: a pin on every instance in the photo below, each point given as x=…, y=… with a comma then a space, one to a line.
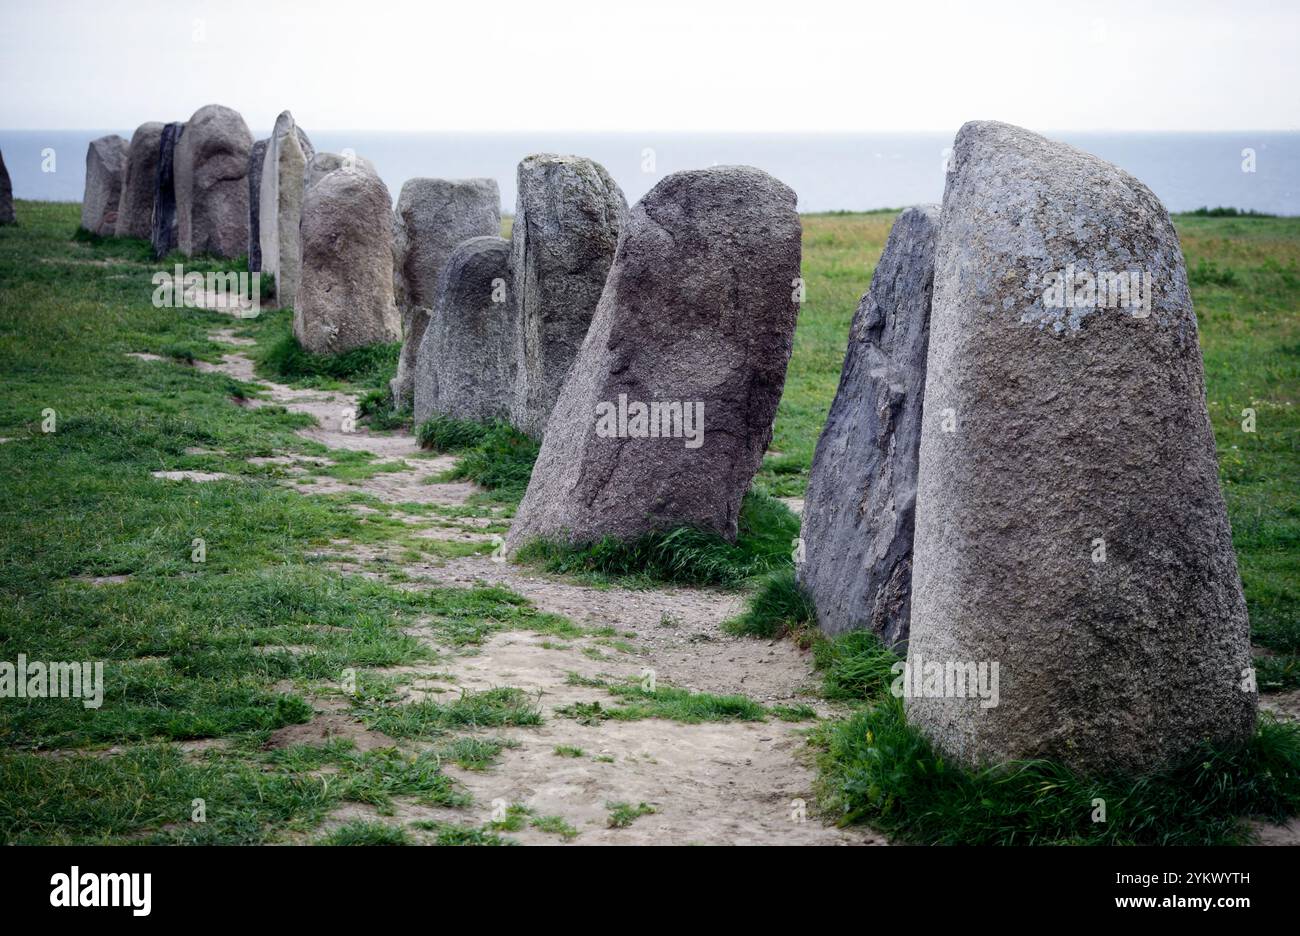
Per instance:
x=135, y=207
x=256, y=157
x=860, y=507
x=163, y=226
x=1070, y=526
x=7, y=215
x=465, y=364
x=283, y=182
x=433, y=216
x=567, y=218
x=105, y=172
x=345, y=299
x=211, y=167
x=667, y=410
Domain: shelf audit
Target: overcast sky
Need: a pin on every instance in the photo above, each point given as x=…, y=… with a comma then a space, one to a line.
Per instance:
x=756, y=65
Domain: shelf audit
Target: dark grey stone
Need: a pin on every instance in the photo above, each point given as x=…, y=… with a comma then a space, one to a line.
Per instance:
x=7, y=215
x=860, y=507
x=432, y=217
x=256, y=155
x=567, y=218
x=464, y=366
x=163, y=228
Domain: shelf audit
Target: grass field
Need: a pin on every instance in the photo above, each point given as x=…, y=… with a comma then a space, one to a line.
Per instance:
x=197, y=650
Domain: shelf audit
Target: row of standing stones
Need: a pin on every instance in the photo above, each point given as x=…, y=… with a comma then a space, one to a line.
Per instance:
x=977, y=448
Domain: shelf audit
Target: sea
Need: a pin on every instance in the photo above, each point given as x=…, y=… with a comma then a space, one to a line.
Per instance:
x=829, y=172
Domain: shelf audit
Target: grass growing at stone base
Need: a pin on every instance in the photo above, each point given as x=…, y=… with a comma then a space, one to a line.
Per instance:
x=282, y=358
x=684, y=555
x=495, y=456
x=776, y=608
x=876, y=768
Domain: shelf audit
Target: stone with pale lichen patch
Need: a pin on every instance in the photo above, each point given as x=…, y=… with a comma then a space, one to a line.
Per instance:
x=1070, y=526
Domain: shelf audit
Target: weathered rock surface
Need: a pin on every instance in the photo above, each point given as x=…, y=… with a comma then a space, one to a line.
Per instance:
x=697, y=317
x=7, y=215
x=1070, y=525
x=567, y=218
x=345, y=299
x=256, y=157
x=135, y=206
x=860, y=507
x=163, y=226
x=211, y=168
x=433, y=216
x=105, y=172
x=465, y=364
x=282, y=183
x=321, y=164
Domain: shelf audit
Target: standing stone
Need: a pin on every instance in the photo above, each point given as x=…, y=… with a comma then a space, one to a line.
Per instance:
x=105, y=171
x=256, y=156
x=7, y=215
x=567, y=218
x=465, y=364
x=135, y=207
x=212, y=183
x=1070, y=526
x=283, y=180
x=860, y=507
x=322, y=164
x=668, y=408
x=163, y=228
x=433, y=216
x=345, y=299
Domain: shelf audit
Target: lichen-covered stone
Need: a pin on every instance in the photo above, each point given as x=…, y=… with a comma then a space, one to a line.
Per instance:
x=1070, y=527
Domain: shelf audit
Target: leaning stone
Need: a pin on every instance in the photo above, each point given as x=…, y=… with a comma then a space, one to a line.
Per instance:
x=1070, y=527
x=433, y=216
x=345, y=299
x=135, y=207
x=283, y=180
x=256, y=156
x=211, y=169
x=465, y=363
x=163, y=226
x=7, y=215
x=698, y=319
x=860, y=507
x=568, y=214
x=105, y=171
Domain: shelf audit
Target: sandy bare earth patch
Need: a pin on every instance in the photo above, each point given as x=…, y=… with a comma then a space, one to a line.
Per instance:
x=716, y=782
x=196, y=476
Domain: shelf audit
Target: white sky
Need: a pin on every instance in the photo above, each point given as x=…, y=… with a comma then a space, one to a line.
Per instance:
x=703, y=65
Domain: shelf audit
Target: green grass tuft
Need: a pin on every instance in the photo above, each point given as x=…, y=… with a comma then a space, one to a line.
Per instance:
x=363, y=832
x=878, y=769
x=685, y=555
x=855, y=666
x=283, y=358
x=776, y=608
